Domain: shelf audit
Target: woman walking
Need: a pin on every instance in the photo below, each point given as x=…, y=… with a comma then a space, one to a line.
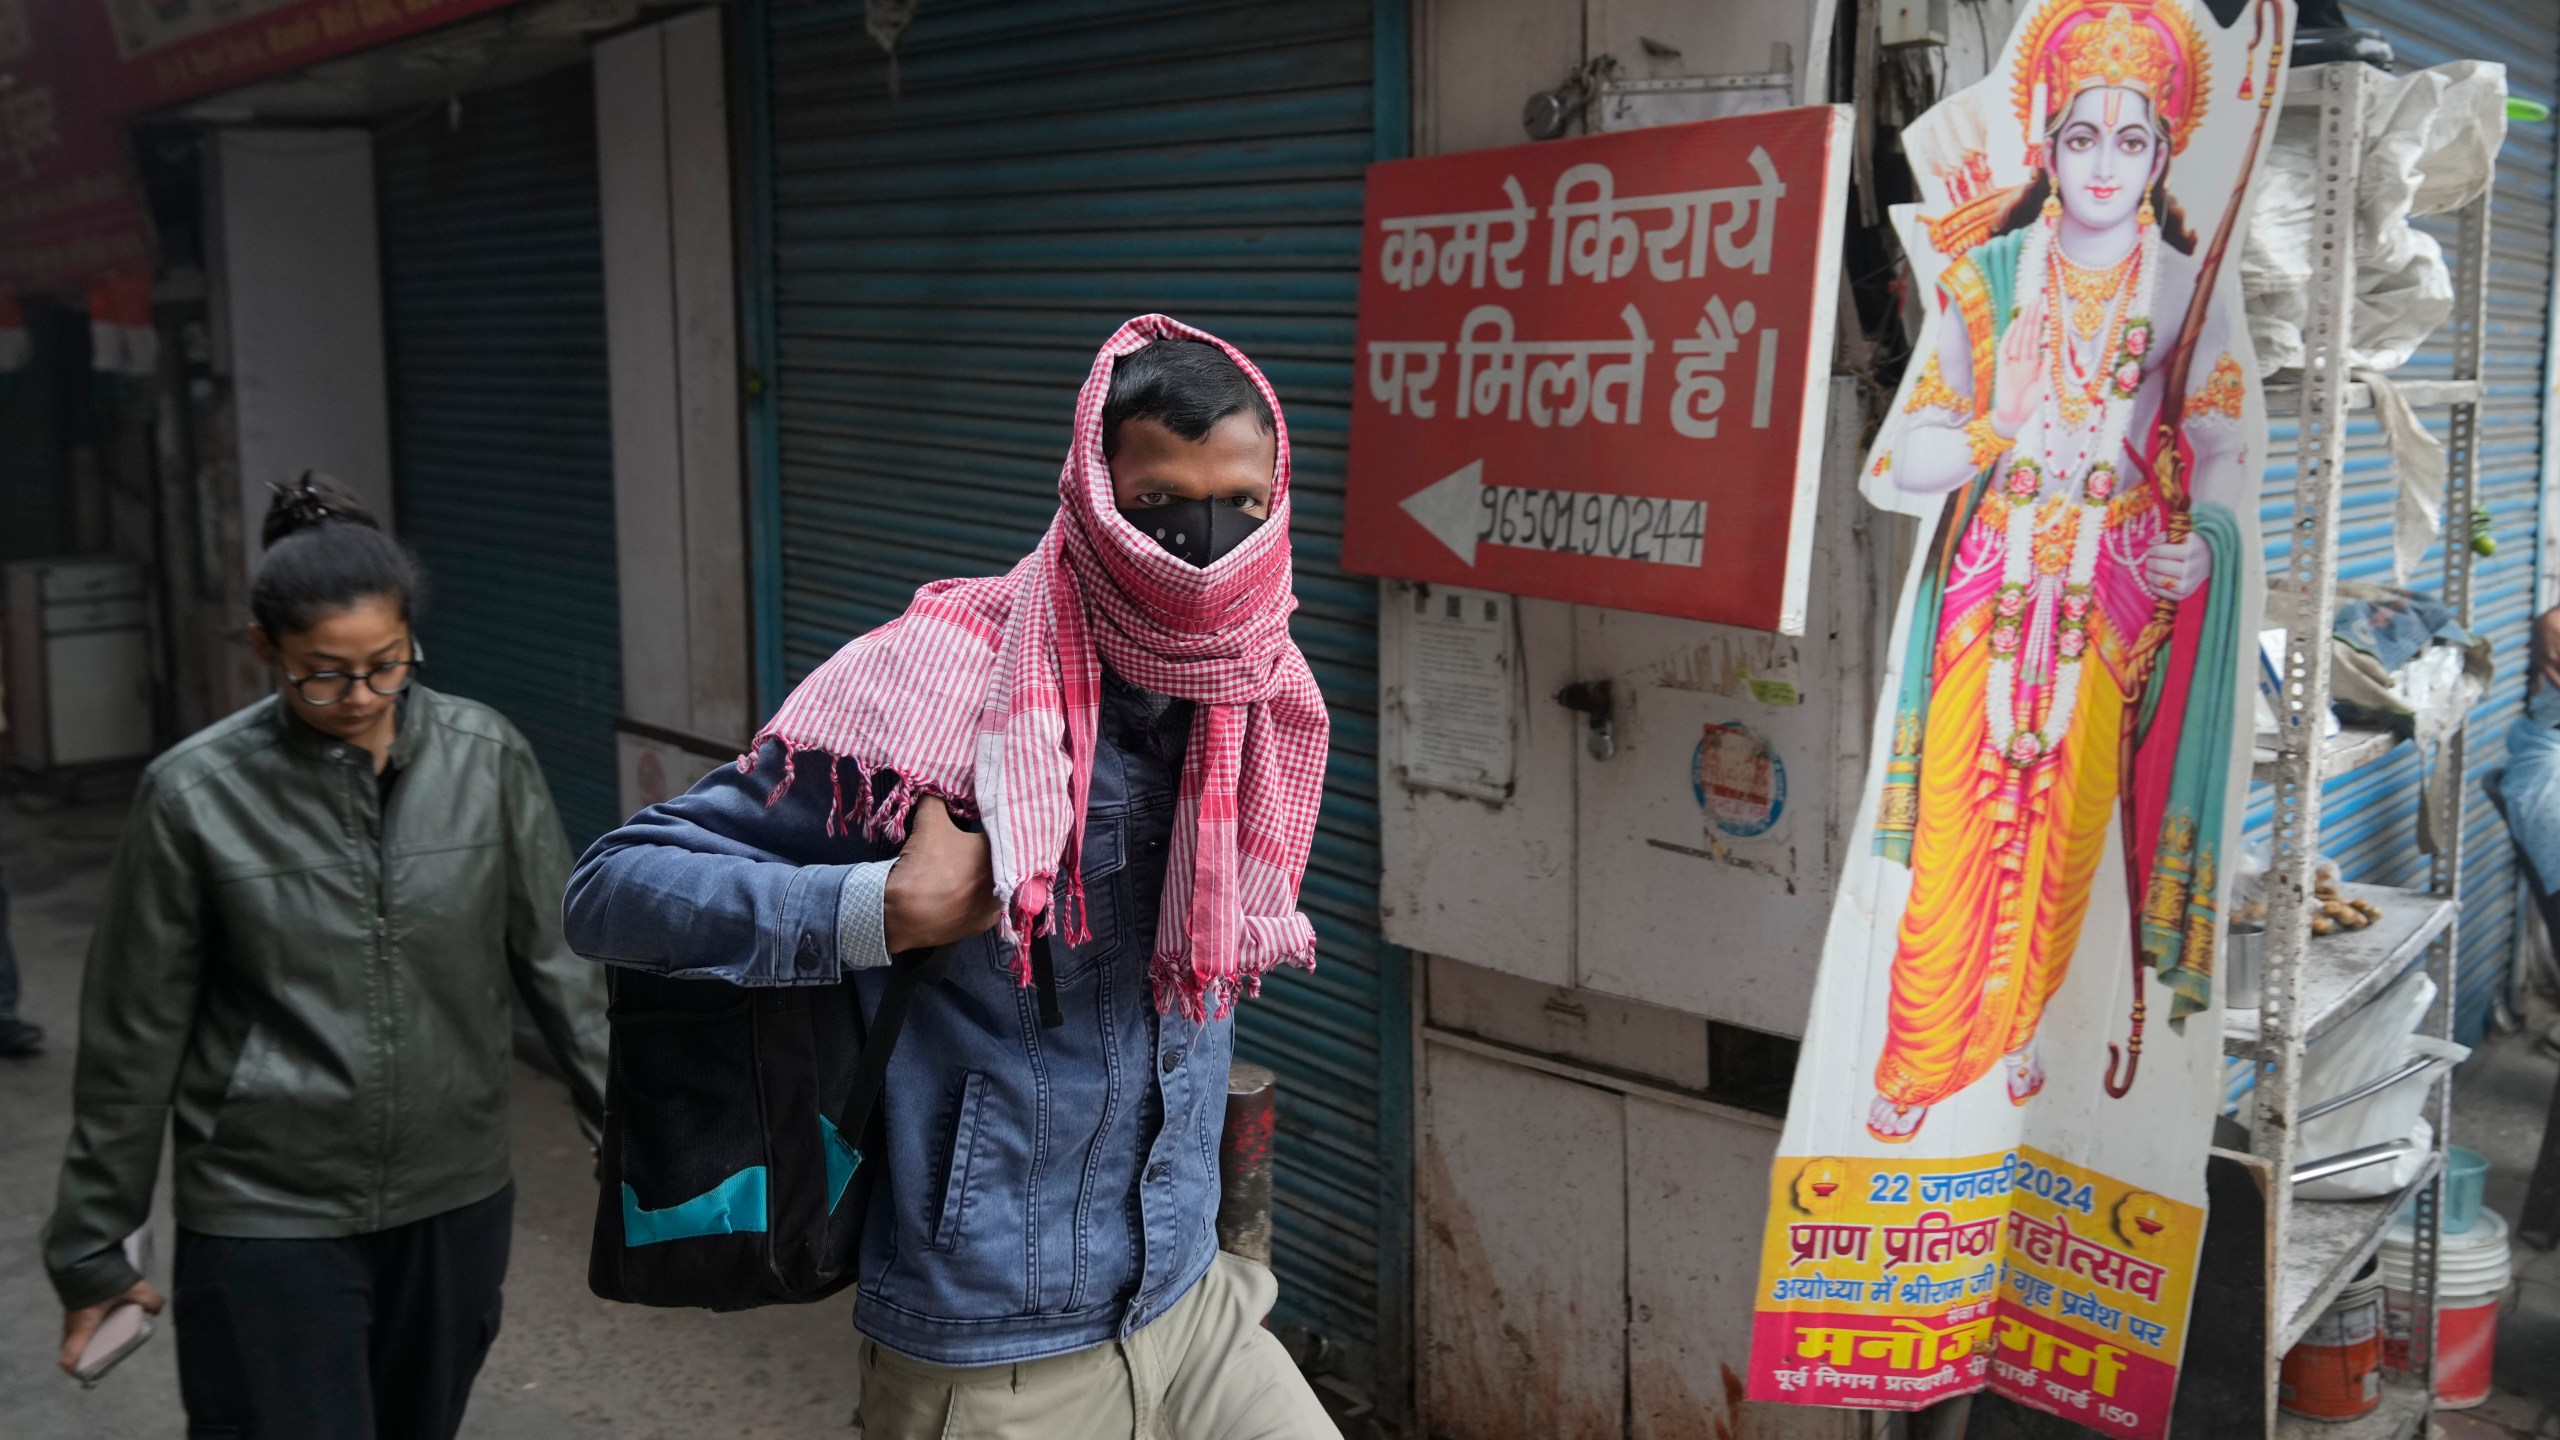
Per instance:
x=303, y=968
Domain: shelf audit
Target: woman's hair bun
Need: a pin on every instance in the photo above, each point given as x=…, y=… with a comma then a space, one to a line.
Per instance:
x=325, y=551
x=310, y=502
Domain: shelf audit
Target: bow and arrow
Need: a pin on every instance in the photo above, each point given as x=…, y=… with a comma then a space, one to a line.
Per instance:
x=2169, y=458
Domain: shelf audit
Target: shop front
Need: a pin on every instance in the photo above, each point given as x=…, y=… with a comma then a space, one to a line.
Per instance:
x=428, y=251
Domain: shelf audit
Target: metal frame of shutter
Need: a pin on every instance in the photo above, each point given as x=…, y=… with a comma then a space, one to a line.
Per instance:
x=929, y=276
x=493, y=288
x=2369, y=818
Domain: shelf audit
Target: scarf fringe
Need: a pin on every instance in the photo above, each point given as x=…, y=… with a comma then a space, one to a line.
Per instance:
x=1021, y=922
x=1201, y=1000
x=879, y=812
x=1073, y=914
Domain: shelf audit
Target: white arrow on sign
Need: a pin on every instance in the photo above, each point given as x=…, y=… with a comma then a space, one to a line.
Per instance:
x=1462, y=512
x=1450, y=508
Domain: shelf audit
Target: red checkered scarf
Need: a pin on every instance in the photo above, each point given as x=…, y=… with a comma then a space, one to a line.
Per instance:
x=986, y=693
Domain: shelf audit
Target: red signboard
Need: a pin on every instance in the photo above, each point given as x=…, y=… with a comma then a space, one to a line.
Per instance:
x=1592, y=370
x=69, y=211
x=170, y=50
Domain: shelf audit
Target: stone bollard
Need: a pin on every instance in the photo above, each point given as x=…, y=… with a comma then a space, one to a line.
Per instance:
x=1244, y=1163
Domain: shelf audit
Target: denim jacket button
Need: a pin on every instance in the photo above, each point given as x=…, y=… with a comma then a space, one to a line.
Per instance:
x=1158, y=1173
x=1172, y=1060
x=807, y=959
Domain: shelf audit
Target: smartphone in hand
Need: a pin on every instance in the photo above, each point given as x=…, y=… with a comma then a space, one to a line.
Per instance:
x=127, y=1325
x=117, y=1336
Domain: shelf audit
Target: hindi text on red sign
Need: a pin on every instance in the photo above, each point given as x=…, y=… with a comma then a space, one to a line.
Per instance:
x=1590, y=369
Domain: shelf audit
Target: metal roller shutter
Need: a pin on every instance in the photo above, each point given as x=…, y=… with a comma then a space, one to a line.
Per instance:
x=943, y=266
x=2369, y=817
x=493, y=284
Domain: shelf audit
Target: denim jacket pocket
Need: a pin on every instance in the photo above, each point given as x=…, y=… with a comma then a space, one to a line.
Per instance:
x=1105, y=861
x=955, y=1174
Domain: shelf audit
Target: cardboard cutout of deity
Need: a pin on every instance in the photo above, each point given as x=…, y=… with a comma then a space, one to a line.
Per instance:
x=1993, y=1168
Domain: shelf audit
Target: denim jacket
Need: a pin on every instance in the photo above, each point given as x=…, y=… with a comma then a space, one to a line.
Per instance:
x=1043, y=1190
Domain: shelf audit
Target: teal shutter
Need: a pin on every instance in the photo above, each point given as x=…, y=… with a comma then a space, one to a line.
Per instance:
x=493, y=288
x=944, y=265
x=2369, y=818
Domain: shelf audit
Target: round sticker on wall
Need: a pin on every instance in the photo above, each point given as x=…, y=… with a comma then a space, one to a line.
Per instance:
x=1740, y=781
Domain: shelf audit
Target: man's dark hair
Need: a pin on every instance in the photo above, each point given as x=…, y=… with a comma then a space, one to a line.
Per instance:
x=1187, y=386
x=326, y=552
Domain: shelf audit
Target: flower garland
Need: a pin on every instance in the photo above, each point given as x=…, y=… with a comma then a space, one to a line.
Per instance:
x=2057, y=634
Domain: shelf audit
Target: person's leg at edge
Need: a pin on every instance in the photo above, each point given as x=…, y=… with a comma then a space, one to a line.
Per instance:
x=2549, y=904
x=271, y=1338
x=438, y=1284
x=1084, y=1394
x=1224, y=1375
x=18, y=1038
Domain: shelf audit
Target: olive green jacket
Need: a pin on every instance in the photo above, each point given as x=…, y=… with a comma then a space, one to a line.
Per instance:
x=311, y=987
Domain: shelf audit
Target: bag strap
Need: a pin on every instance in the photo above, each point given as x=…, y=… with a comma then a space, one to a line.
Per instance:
x=1044, y=978
x=909, y=970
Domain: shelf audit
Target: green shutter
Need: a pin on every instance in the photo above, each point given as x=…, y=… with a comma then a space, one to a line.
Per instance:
x=493, y=287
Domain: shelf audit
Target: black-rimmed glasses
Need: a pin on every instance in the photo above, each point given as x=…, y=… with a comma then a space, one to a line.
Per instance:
x=328, y=687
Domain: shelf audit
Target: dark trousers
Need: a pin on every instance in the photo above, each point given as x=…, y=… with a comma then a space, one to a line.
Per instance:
x=369, y=1337
x=8, y=967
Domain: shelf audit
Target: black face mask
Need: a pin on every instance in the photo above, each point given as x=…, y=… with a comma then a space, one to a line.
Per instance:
x=1198, y=531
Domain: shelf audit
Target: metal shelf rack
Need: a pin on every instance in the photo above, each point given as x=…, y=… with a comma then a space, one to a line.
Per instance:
x=2313, y=1248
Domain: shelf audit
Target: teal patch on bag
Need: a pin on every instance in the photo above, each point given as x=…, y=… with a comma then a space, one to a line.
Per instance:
x=735, y=1206
x=842, y=1161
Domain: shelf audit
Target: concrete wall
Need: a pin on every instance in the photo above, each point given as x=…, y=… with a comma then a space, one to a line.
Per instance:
x=297, y=280
x=293, y=298
x=671, y=336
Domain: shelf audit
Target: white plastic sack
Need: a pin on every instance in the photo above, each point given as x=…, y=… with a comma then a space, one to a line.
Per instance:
x=2275, y=249
x=2430, y=145
x=2440, y=691
x=2369, y=1045
x=2418, y=460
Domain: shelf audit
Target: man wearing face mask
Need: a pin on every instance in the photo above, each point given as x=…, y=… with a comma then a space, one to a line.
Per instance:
x=1140, y=748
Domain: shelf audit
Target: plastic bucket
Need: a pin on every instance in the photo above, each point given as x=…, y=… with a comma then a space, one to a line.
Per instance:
x=2335, y=1372
x=2466, y=1342
x=2471, y=1280
x=2466, y=1172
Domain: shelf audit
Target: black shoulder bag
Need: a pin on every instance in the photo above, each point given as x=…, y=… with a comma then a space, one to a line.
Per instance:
x=731, y=1173
x=735, y=1123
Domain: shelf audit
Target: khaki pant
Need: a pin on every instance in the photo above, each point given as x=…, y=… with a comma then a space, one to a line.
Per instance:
x=1204, y=1370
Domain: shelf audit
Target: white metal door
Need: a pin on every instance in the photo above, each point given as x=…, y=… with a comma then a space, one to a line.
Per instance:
x=1708, y=838
x=98, y=695
x=1704, y=876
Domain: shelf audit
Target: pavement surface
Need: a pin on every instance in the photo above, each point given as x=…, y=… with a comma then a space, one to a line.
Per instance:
x=565, y=1365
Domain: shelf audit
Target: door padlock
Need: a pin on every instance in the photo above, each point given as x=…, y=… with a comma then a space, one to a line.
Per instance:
x=1598, y=706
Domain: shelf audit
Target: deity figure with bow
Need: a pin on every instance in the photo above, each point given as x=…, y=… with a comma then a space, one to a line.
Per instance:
x=2074, y=640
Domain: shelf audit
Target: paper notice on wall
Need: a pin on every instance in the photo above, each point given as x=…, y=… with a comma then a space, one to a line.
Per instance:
x=1457, y=684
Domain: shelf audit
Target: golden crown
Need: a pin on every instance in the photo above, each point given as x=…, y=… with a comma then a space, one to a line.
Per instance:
x=2147, y=46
